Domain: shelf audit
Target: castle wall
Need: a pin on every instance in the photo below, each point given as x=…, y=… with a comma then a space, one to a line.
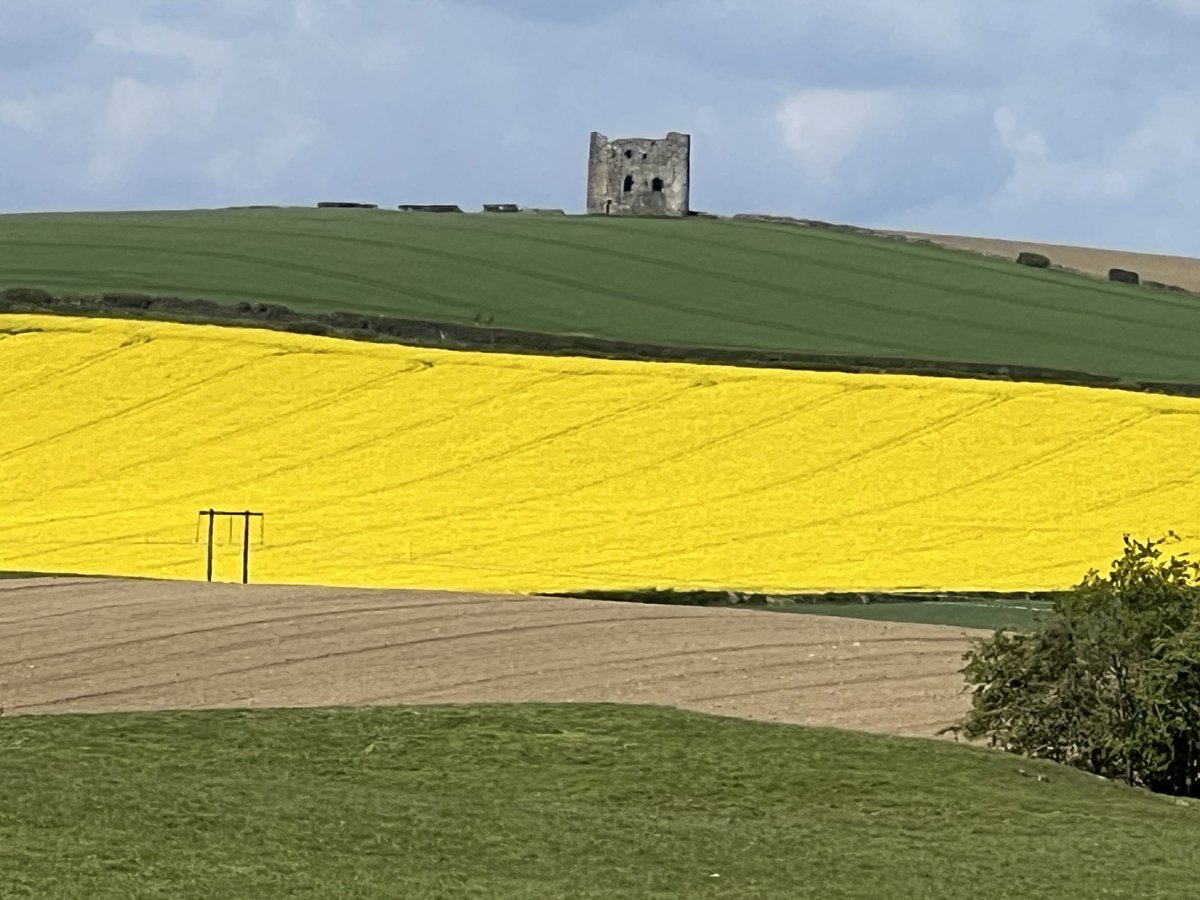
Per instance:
x=640, y=176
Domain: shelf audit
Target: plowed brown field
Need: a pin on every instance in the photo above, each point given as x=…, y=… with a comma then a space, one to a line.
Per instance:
x=1179, y=270
x=85, y=645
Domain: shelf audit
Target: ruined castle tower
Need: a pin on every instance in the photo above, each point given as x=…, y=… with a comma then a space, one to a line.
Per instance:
x=639, y=176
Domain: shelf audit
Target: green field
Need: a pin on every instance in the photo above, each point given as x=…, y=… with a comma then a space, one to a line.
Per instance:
x=693, y=282
x=989, y=614
x=1011, y=611
x=553, y=802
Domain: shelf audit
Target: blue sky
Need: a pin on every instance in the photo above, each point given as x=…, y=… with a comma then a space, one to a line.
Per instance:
x=1074, y=121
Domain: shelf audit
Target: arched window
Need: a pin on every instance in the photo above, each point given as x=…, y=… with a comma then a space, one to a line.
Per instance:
x=656, y=185
x=629, y=184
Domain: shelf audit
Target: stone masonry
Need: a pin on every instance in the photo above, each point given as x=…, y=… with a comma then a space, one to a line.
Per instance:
x=640, y=176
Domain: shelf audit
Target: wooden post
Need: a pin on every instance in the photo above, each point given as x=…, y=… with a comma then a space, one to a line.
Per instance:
x=246, y=516
x=246, y=549
x=212, y=518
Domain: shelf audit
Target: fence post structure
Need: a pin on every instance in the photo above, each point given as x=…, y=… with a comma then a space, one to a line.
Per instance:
x=246, y=516
x=211, y=519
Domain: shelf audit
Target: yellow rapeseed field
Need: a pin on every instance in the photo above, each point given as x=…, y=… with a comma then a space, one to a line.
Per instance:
x=387, y=465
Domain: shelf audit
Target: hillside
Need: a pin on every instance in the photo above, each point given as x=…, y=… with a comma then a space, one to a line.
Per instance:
x=550, y=802
x=1178, y=270
x=695, y=282
x=73, y=645
x=384, y=465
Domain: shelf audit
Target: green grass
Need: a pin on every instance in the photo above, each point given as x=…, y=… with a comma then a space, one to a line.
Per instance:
x=990, y=614
x=554, y=802
x=692, y=282
x=965, y=610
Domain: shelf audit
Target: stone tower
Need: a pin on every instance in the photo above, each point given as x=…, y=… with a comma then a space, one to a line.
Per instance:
x=640, y=176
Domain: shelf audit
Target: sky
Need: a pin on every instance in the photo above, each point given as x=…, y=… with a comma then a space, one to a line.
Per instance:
x=1070, y=122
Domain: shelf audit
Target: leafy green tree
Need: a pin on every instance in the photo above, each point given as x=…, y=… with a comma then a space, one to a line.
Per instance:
x=1110, y=682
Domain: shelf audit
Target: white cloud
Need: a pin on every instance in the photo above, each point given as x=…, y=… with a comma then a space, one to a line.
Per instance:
x=158, y=40
x=255, y=167
x=822, y=126
x=941, y=25
x=1160, y=153
x=1072, y=120
x=857, y=146
x=311, y=15
x=138, y=116
x=20, y=114
x=1021, y=143
x=1131, y=187
x=1190, y=8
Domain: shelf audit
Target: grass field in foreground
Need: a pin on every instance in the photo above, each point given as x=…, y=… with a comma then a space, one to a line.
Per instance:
x=381, y=465
x=691, y=282
x=553, y=802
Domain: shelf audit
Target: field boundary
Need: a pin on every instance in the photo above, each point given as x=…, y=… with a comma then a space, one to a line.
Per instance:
x=973, y=609
x=483, y=338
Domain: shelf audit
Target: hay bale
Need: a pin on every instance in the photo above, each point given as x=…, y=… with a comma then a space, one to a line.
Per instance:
x=1033, y=260
x=1123, y=276
x=340, y=204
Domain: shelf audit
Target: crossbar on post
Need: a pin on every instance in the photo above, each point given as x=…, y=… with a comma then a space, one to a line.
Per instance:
x=246, y=516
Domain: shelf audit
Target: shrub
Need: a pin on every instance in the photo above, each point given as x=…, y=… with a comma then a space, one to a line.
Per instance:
x=22, y=295
x=1124, y=276
x=128, y=300
x=343, y=319
x=1111, y=681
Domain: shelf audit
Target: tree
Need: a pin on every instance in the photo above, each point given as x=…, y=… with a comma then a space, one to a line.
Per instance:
x=1110, y=682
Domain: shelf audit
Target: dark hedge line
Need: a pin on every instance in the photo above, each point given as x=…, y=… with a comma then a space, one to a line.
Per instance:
x=672, y=597
x=479, y=337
